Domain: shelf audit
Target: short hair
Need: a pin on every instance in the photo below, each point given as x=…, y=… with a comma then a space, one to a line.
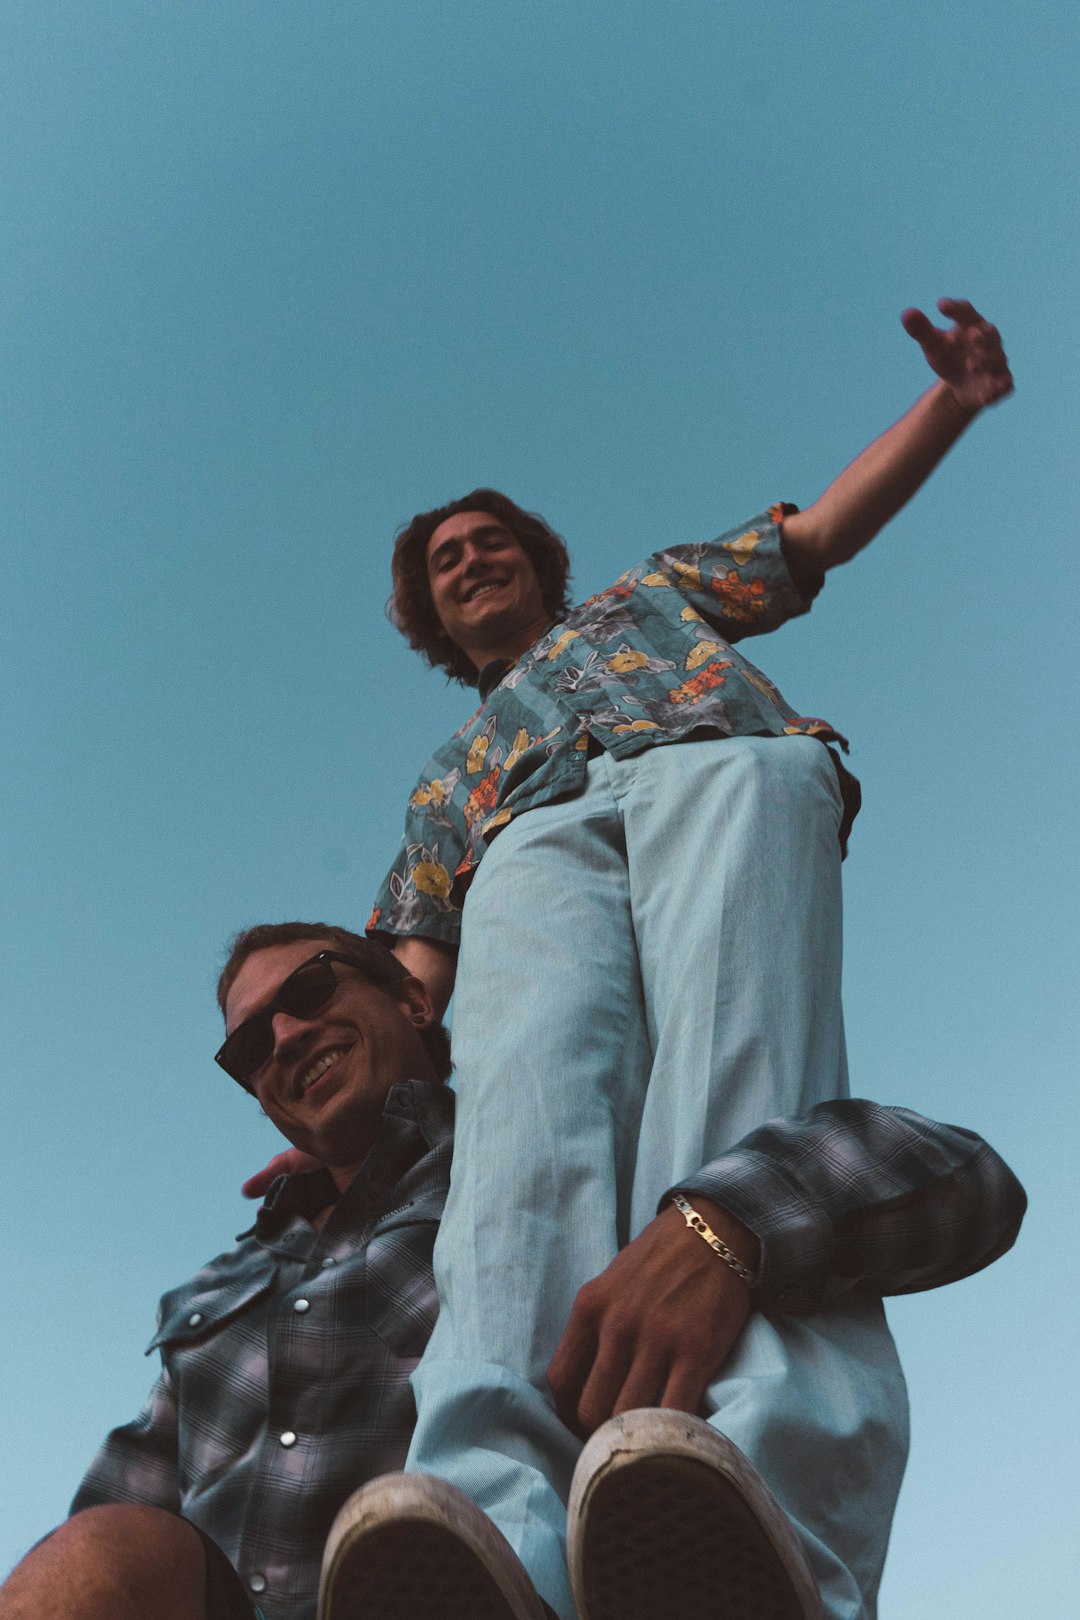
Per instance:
x=263, y=936
x=411, y=609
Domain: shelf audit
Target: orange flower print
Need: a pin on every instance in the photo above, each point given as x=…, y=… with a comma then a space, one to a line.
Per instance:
x=431, y=877
x=741, y=600
x=373, y=920
x=481, y=800
x=706, y=680
x=808, y=728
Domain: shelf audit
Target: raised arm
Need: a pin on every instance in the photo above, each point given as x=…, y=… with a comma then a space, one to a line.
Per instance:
x=972, y=373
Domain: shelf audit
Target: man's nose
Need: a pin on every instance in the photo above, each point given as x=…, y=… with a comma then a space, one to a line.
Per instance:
x=288, y=1031
x=472, y=556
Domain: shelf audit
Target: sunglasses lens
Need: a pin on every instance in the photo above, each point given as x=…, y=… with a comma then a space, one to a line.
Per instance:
x=308, y=989
x=303, y=993
x=247, y=1048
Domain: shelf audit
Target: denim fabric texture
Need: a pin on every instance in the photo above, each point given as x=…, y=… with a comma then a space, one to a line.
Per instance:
x=649, y=970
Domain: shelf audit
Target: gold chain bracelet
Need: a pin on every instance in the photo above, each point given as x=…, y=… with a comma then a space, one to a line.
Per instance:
x=698, y=1224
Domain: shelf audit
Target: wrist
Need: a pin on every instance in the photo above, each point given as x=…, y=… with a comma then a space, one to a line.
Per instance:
x=742, y=1244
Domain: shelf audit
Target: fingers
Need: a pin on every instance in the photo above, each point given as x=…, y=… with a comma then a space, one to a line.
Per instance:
x=685, y=1389
x=284, y=1163
x=570, y=1366
x=960, y=311
x=918, y=326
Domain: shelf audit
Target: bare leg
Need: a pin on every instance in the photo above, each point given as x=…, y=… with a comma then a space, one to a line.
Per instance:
x=111, y=1563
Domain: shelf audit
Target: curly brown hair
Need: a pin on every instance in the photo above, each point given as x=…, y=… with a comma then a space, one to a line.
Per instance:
x=410, y=608
x=265, y=935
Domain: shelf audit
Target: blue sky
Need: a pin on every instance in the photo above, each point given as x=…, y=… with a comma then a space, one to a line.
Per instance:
x=275, y=277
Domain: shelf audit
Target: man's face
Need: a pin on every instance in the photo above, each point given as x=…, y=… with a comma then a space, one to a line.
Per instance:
x=484, y=587
x=325, y=1083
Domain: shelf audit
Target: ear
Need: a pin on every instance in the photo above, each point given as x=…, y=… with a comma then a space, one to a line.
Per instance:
x=415, y=1002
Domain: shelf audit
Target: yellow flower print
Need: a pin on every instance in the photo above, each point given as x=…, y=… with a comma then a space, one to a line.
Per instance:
x=656, y=580
x=626, y=660
x=474, y=760
x=744, y=547
x=431, y=877
x=499, y=819
x=701, y=654
x=521, y=743
x=689, y=615
x=638, y=725
x=561, y=645
x=690, y=577
x=582, y=743
x=763, y=685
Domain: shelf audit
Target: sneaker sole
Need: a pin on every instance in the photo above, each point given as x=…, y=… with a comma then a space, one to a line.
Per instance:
x=669, y=1519
x=411, y=1547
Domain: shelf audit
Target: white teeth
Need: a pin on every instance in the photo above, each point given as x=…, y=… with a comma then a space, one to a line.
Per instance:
x=309, y=1077
x=482, y=590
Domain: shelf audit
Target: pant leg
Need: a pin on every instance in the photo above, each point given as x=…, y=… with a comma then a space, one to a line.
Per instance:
x=692, y=891
x=735, y=894
x=553, y=1062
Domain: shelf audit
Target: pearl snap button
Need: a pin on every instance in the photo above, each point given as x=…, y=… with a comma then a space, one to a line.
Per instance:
x=257, y=1582
x=194, y=1319
x=301, y=1305
x=288, y=1438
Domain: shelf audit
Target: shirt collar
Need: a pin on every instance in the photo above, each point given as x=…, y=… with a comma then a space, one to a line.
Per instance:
x=492, y=674
x=418, y=1115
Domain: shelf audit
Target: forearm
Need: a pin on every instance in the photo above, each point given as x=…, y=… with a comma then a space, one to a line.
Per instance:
x=434, y=962
x=875, y=486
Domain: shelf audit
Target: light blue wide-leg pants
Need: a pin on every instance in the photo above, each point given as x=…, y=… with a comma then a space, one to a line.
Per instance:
x=647, y=972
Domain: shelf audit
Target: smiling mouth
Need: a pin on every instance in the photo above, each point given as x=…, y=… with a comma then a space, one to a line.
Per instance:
x=316, y=1070
x=483, y=588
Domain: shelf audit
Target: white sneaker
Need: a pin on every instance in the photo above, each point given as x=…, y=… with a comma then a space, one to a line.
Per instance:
x=411, y=1547
x=668, y=1521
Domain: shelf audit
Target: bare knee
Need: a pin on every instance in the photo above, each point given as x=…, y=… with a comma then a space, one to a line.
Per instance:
x=112, y=1561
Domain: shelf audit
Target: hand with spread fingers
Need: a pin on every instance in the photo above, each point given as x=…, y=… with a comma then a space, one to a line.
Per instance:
x=656, y=1326
x=967, y=356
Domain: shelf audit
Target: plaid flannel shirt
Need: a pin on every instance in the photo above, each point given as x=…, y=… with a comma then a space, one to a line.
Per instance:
x=286, y=1362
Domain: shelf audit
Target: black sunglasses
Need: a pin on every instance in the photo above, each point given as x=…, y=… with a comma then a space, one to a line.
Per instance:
x=304, y=993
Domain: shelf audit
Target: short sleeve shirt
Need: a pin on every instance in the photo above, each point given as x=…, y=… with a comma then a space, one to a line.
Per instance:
x=649, y=661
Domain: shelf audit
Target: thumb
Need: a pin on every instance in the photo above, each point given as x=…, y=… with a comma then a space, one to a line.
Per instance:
x=918, y=326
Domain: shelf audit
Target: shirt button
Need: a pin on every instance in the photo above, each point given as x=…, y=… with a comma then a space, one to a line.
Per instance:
x=257, y=1582
x=329, y=1261
x=194, y=1319
x=288, y=1438
x=301, y=1305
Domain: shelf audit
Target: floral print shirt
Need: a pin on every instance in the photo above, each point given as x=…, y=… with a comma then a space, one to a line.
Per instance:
x=650, y=660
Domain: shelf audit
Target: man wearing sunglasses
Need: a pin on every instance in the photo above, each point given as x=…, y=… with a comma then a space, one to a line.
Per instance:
x=286, y=1362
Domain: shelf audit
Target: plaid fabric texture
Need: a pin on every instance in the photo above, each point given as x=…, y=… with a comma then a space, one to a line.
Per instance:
x=285, y=1378
x=286, y=1363
x=855, y=1194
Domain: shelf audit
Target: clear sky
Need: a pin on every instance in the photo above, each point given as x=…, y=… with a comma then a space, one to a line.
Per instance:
x=275, y=276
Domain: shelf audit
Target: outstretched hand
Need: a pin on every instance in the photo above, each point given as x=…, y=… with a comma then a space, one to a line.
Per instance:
x=282, y=1164
x=968, y=356
x=656, y=1326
